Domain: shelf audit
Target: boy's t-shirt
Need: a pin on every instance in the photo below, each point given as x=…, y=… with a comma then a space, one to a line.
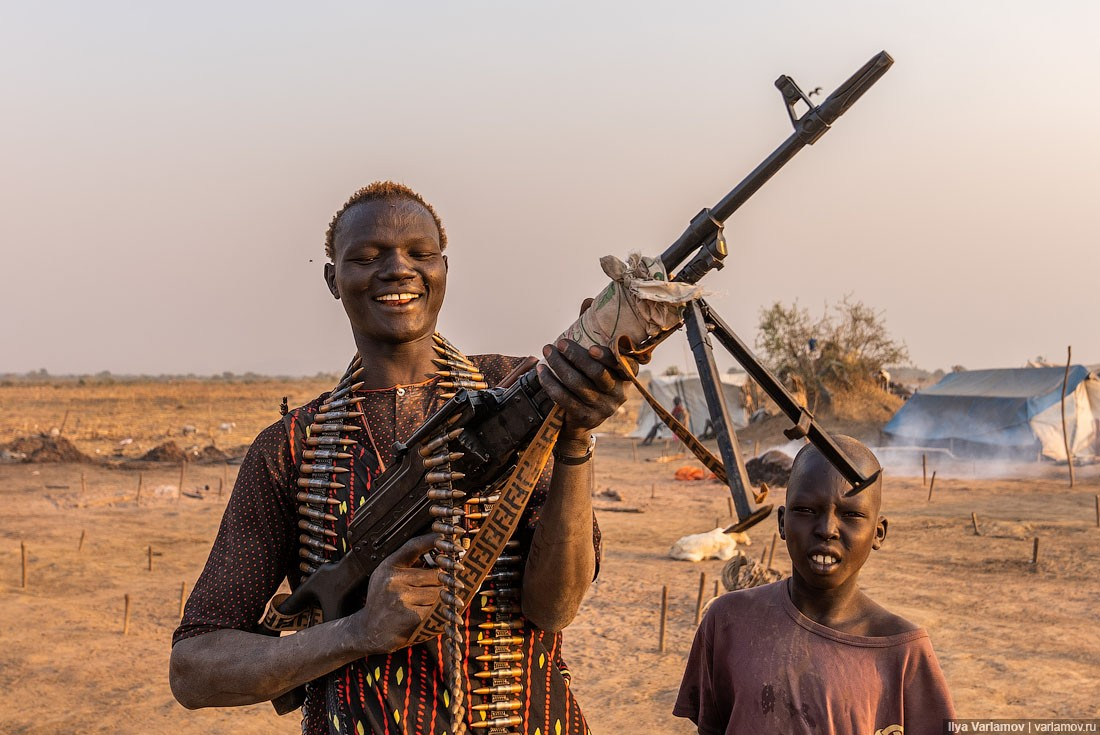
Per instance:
x=760, y=666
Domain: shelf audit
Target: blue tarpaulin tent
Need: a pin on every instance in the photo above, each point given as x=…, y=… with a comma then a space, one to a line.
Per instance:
x=1006, y=411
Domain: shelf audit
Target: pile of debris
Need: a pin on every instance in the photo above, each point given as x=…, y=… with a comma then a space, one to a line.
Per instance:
x=43, y=448
x=772, y=467
x=169, y=451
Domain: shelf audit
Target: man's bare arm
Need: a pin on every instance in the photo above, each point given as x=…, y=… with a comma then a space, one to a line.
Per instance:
x=233, y=667
x=561, y=562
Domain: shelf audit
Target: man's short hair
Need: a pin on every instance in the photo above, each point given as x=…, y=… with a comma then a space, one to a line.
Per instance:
x=377, y=191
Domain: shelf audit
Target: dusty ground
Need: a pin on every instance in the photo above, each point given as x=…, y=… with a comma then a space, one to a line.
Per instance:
x=1014, y=639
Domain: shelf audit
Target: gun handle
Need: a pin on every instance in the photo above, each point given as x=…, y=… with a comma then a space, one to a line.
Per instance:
x=292, y=700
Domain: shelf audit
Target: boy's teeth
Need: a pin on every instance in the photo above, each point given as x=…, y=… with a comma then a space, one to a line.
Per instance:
x=822, y=559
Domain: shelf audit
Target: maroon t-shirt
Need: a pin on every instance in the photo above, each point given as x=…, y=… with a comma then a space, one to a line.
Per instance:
x=759, y=666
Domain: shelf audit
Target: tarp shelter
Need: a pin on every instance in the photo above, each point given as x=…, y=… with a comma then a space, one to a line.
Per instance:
x=1003, y=412
x=666, y=387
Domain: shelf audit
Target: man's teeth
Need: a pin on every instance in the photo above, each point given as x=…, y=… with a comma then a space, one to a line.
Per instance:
x=825, y=559
x=397, y=297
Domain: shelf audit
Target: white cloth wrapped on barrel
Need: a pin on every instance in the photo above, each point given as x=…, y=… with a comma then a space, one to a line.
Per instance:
x=639, y=302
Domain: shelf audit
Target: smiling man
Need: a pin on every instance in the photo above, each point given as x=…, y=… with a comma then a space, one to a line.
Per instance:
x=295, y=496
x=813, y=653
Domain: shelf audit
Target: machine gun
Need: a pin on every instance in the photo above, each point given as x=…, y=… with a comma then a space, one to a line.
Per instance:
x=482, y=432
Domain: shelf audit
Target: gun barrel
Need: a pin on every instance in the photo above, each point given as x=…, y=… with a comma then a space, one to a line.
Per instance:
x=705, y=224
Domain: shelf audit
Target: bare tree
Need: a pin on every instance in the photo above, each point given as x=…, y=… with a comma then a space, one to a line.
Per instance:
x=849, y=344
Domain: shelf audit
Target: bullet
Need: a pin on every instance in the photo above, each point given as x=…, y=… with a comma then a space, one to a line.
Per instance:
x=332, y=428
x=315, y=529
x=460, y=374
x=443, y=511
x=502, y=625
x=439, y=442
x=318, y=441
x=324, y=454
x=340, y=415
x=446, y=562
x=500, y=592
x=447, y=529
x=447, y=547
x=326, y=407
x=509, y=706
x=509, y=559
x=466, y=384
x=477, y=516
x=317, y=515
x=338, y=394
x=483, y=499
x=499, y=689
x=443, y=494
x=508, y=640
x=503, y=608
x=503, y=575
x=315, y=543
x=452, y=616
x=451, y=599
x=348, y=380
x=436, y=478
x=437, y=459
x=497, y=722
x=450, y=582
x=319, y=482
x=507, y=656
x=308, y=469
x=316, y=499
x=307, y=554
x=307, y=567
x=499, y=673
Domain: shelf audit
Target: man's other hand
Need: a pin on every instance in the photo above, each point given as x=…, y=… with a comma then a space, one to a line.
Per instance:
x=585, y=383
x=400, y=596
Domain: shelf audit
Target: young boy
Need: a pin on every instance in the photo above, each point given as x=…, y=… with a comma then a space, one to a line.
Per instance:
x=813, y=653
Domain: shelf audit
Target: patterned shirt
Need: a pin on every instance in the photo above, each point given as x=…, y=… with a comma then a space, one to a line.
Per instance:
x=399, y=692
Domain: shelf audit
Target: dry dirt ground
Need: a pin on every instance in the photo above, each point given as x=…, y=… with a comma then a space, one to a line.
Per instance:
x=1015, y=639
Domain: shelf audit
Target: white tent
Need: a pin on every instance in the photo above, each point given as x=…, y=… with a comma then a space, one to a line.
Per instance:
x=666, y=387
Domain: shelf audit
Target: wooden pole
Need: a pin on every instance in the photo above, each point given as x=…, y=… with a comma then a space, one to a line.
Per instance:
x=83, y=485
x=771, y=552
x=763, y=555
x=183, y=597
x=699, y=598
x=225, y=478
x=183, y=475
x=634, y=448
x=1035, y=551
x=652, y=490
x=716, y=588
x=924, y=470
x=931, y=486
x=150, y=557
x=664, y=618
x=1098, y=511
x=80, y=546
x=141, y=481
x=974, y=521
x=729, y=505
x=126, y=614
x=1065, y=432
x=23, y=556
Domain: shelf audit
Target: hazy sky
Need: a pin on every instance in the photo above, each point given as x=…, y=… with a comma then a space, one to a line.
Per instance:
x=167, y=171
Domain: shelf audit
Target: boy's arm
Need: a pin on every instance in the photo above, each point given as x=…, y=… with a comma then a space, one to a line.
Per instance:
x=696, y=700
